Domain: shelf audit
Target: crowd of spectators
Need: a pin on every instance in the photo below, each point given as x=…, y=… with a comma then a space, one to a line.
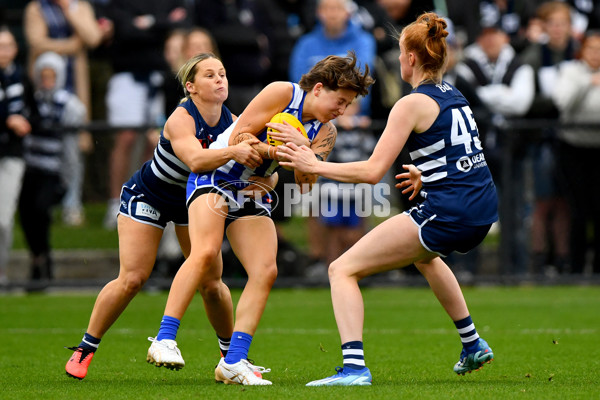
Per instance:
x=511, y=58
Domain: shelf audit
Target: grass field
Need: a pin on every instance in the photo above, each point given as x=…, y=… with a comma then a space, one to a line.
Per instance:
x=545, y=340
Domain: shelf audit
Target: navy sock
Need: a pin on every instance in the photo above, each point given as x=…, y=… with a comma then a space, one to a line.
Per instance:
x=466, y=330
x=354, y=355
x=168, y=328
x=224, y=344
x=238, y=349
x=89, y=343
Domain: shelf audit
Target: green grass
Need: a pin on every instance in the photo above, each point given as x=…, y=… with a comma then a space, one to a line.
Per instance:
x=545, y=341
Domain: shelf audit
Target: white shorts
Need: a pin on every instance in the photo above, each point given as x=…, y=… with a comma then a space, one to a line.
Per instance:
x=134, y=103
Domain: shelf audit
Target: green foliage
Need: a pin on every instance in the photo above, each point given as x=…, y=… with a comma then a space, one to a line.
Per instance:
x=545, y=341
x=90, y=235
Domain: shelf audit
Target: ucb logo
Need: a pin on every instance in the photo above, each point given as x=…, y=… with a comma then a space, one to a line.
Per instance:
x=256, y=198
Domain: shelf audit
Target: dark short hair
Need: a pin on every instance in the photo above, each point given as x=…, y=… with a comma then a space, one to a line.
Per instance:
x=336, y=72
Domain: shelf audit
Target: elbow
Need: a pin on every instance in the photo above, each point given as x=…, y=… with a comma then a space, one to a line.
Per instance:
x=372, y=178
x=195, y=165
x=372, y=181
x=198, y=166
x=195, y=169
x=94, y=42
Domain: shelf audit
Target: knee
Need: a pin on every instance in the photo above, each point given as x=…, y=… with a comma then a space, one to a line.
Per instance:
x=201, y=261
x=203, y=258
x=133, y=282
x=210, y=289
x=428, y=267
x=271, y=273
x=334, y=270
x=266, y=274
x=341, y=268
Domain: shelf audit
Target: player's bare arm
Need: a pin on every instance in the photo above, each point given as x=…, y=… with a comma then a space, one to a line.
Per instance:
x=270, y=101
x=401, y=122
x=321, y=146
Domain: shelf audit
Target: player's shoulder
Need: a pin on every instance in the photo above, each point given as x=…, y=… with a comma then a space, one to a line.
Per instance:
x=180, y=115
x=279, y=86
x=414, y=101
x=278, y=91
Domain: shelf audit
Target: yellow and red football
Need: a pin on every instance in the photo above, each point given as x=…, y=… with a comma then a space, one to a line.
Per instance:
x=290, y=119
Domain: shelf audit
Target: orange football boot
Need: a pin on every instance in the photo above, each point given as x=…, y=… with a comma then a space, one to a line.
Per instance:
x=78, y=364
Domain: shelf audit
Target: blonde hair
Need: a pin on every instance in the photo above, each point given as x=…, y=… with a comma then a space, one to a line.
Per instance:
x=188, y=71
x=426, y=37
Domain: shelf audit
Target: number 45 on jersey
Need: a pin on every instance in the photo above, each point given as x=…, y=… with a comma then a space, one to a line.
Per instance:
x=460, y=134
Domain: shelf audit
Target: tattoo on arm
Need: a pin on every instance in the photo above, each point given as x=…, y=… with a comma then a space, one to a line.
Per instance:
x=304, y=178
x=241, y=136
x=327, y=142
x=262, y=148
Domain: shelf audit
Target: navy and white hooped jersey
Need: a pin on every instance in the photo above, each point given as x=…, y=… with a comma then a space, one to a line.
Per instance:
x=457, y=184
x=235, y=175
x=164, y=178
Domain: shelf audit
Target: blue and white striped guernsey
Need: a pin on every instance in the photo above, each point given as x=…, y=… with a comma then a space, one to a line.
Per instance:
x=164, y=178
x=234, y=172
x=457, y=183
x=238, y=171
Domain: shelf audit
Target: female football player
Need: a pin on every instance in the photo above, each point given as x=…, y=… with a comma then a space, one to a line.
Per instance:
x=437, y=125
x=217, y=204
x=155, y=194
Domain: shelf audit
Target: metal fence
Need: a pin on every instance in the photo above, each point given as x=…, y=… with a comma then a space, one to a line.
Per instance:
x=512, y=163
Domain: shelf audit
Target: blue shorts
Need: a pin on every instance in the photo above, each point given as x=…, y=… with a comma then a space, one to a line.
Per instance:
x=137, y=206
x=229, y=188
x=346, y=218
x=444, y=238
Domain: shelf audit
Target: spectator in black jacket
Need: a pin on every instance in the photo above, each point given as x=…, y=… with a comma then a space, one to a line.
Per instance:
x=134, y=98
x=13, y=126
x=54, y=113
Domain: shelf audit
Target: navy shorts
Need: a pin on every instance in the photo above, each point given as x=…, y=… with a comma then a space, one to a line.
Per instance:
x=137, y=206
x=444, y=237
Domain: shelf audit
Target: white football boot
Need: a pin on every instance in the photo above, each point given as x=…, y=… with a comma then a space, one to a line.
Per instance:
x=240, y=373
x=164, y=353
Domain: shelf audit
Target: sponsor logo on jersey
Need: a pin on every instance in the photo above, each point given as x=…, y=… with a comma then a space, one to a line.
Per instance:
x=146, y=210
x=465, y=163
